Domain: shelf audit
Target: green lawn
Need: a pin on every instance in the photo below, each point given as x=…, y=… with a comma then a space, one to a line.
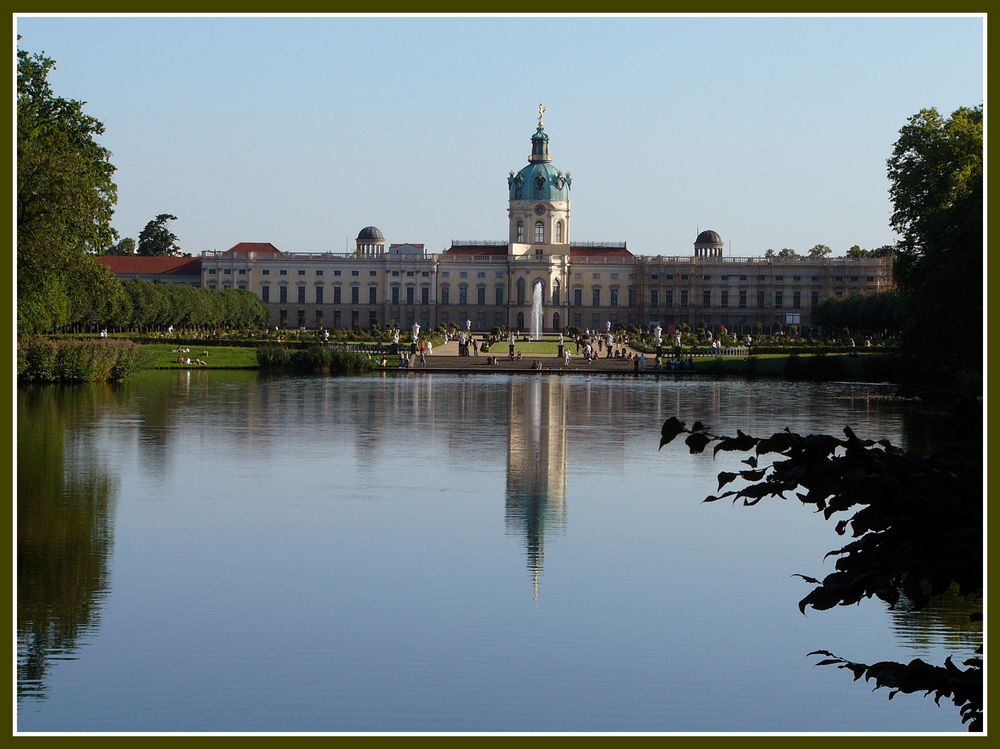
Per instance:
x=546, y=348
x=163, y=356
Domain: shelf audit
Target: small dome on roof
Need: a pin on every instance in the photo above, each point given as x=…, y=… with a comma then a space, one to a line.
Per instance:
x=708, y=238
x=371, y=233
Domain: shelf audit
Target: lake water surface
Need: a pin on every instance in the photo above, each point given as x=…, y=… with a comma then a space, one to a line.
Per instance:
x=222, y=552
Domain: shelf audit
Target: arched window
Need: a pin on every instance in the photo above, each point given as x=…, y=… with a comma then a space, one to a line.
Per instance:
x=556, y=321
x=520, y=291
x=555, y=293
x=559, y=232
x=539, y=232
x=520, y=231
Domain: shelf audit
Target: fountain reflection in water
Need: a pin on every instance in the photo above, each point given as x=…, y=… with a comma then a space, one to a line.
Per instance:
x=536, y=312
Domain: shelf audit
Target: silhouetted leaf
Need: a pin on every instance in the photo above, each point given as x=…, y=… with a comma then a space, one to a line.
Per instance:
x=671, y=428
x=697, y=441
x=725, y=478
x=741, y=443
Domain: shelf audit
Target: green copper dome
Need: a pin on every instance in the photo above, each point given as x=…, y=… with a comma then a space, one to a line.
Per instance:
x=539, y=180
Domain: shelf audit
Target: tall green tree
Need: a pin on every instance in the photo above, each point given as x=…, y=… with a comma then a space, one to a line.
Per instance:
x=65, y=196
x=936, y=184
x=820, y=250
x=157, y=239
x=787, y=252
x=124, y=246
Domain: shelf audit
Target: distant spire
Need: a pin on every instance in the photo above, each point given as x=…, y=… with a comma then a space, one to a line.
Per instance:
x=540, y=141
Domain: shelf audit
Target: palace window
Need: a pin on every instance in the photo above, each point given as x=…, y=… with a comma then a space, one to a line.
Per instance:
x=539, y=232
x=336, y=295
x=596, y=297
x=520, y=231
x=265, y=293
x=319, y=294
x=559, y=231
x=372, y=294
x=355, y=298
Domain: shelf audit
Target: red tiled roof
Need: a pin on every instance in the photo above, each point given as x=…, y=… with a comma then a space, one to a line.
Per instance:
x=473, y=249
x=599, y=252
x=261, y=248
x=148, y=266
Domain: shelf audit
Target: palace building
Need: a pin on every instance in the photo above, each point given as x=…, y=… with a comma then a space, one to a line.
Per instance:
x=492, y=283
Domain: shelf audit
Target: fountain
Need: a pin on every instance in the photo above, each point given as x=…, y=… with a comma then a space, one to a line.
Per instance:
x=536, y=312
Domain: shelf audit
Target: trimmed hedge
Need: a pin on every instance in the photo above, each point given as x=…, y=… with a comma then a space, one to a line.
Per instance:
x=103, y=360
x=314, y=360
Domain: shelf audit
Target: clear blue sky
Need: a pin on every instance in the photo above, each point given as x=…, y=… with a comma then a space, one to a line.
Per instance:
x=301, y=131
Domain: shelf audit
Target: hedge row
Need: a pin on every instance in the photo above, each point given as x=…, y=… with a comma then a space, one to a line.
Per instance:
x=104, y=360
x=315, y=359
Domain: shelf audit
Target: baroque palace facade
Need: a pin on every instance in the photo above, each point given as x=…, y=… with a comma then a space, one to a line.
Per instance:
x=491, y=284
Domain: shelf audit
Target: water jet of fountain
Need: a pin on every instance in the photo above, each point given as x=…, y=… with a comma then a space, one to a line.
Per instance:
x=536, y=312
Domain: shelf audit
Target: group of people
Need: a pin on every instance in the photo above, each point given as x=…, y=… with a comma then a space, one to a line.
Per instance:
x=468, y=341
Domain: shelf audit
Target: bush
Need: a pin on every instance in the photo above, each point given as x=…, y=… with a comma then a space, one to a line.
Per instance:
x=273, y=357
x=105, y=360
x=313, y=360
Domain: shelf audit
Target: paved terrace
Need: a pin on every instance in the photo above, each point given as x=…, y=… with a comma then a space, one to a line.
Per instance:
x=446, y=359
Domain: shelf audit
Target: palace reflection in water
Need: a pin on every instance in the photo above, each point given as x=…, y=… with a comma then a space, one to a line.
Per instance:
x=365, y=492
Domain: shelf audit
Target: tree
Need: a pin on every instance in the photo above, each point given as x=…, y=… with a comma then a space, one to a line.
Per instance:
x=787, y=252
x=820, y=250
x=936, y=185
x=124, y=246
x=157, y=239
x=769, y=253
x=65, y=196
x=915, y=525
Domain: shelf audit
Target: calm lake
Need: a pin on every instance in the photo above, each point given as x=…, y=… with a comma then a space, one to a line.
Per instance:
x=223, y=552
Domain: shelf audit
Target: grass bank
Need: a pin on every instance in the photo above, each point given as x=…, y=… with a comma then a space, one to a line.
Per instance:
x=172, y=356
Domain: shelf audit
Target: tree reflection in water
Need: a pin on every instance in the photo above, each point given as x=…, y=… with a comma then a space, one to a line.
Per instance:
x=64, y=526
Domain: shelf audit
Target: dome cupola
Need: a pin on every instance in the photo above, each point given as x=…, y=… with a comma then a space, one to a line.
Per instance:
x=370, y=242
x=708, y=244
x=538, y=207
